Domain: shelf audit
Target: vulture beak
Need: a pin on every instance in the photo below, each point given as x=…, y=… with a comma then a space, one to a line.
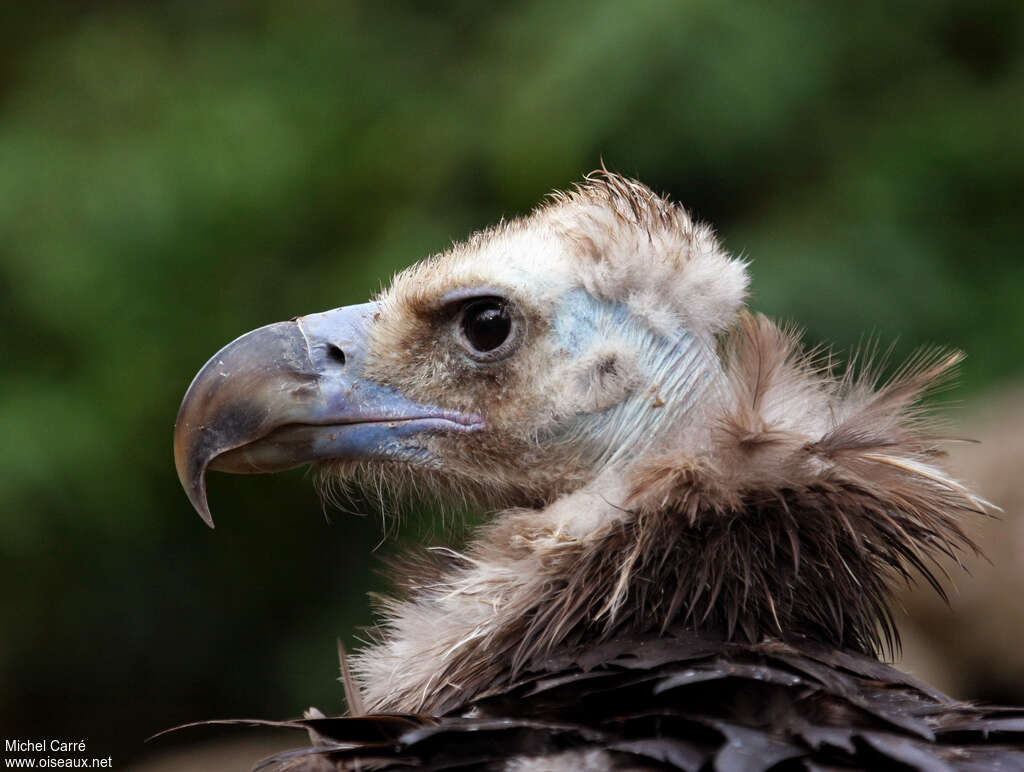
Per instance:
x=291, y=393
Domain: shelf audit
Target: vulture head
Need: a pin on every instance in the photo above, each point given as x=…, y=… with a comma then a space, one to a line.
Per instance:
x=660, y=460
x=516, y=367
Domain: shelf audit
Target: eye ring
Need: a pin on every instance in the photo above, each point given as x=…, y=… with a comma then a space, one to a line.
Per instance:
x=488, y=329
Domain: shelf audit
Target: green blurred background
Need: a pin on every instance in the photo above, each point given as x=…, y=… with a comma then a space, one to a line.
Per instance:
x=173, y=174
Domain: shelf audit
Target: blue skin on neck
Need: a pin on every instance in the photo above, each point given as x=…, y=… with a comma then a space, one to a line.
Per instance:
x=674, y=372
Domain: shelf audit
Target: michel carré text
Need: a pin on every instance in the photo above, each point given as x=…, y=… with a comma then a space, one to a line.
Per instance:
x=42, y=746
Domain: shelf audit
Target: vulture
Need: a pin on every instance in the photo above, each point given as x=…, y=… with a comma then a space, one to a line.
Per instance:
x=694, y=522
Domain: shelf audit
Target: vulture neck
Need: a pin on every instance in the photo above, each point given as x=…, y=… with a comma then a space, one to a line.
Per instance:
x=669, y=371
x=785, y=517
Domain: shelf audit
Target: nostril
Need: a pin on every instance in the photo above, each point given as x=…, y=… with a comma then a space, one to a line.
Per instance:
x=334, y=352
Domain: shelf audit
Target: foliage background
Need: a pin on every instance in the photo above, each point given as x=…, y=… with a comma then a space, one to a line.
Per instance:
x=175, y=173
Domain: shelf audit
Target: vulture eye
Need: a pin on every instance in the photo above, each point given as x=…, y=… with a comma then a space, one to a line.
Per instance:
x=486, y=326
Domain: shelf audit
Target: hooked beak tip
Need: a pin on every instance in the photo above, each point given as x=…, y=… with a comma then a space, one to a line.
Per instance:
x=192, y=476
x=233, y=400
x=196, y=490
x=204, y=511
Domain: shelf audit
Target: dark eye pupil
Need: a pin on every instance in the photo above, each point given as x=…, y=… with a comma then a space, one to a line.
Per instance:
x=486, y=325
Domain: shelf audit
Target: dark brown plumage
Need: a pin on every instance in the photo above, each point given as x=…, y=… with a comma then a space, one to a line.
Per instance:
x=685, y=702
x=700, y=522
